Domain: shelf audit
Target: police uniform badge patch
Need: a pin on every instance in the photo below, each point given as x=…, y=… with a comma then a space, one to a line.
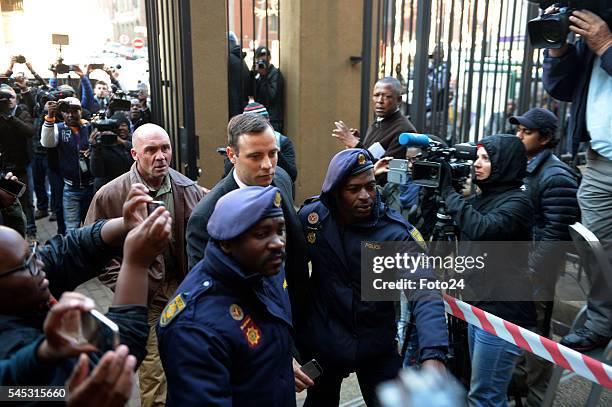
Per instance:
x=361, y=159
x=313, y=218
x=236, y=312
x=277, y=199
x=311, y=237
x=284, y=283
x=173, y=308
x=251, y=332
x=417, y=235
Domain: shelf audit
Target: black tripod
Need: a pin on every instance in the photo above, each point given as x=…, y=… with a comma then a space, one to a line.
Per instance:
x=444, y=240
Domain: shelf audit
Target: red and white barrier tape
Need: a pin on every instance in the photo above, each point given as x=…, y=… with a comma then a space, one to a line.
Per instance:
x=570, y=359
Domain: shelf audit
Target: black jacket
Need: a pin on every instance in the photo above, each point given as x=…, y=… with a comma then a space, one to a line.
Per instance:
x=296, y=265
x=16, y=134
x=109, y=162
x=69, y=261
x=269, y=91
x=567, y=78
x=552, y=186
x=239, y=80
x=502, y=212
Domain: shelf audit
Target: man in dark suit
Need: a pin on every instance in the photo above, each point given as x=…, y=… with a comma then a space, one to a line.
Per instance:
x=253, y=151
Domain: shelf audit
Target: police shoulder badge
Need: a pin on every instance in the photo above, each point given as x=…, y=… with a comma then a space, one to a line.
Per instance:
x=284, y=284
x=173, y=308
x=311, y=237
x=361, y=159
x=313, y=218
x=277, y=199
x=251, y=332
x=236, y=312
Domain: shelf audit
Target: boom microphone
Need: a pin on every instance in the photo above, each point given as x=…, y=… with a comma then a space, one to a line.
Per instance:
x=414, y=140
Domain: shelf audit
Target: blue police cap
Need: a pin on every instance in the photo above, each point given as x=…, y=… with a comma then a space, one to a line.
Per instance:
x=346, y=164
x=238, y=210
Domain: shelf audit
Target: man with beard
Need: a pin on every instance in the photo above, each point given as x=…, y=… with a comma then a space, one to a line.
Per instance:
x=230, y=320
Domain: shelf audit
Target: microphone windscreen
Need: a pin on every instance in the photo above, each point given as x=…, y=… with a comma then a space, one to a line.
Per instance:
x=414, y=140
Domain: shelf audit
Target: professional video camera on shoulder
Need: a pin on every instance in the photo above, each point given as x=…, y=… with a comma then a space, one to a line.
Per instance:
x=551, y=30
x=426, y=170
x=108, y=131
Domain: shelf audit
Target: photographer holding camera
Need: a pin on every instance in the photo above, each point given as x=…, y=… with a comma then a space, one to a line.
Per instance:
x=501, y=212
x=71, y=137
x=581, y=73
x=269, y=87
x=16, y=132
x=111, y=146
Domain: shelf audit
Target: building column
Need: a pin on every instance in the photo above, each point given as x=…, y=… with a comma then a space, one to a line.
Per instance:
x=318, y=37
x=210, y=54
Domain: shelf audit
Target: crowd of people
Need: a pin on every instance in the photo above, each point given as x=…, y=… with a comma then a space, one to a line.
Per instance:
x=232, y=296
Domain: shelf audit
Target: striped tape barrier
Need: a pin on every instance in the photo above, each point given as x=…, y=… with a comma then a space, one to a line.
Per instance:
x=569, y=359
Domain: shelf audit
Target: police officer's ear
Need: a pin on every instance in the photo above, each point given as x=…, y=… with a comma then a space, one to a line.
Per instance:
x=226, y=246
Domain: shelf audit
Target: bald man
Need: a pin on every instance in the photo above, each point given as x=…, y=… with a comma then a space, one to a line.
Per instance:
x=152, y=153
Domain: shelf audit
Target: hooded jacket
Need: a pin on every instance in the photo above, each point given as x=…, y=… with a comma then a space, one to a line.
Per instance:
x=239, y=79
x=501, y=212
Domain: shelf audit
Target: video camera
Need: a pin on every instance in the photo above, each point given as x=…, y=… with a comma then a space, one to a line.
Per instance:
x=108, y=129
x=551, y=30
x=426, y=171
x=119, y=103
x=61, y=68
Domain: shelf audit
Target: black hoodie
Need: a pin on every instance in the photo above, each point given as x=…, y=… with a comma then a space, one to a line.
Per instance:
x=239, y=80
x=502, y=212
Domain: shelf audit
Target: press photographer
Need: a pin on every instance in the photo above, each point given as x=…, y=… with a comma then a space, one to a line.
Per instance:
x=111, y=145
x=500, y=212
x=269, y=86
x=71, y=137
x=581, y=73
x=550, y=30
x=16, y=132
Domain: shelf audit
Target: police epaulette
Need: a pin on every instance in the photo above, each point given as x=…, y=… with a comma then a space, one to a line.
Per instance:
x=310, y=200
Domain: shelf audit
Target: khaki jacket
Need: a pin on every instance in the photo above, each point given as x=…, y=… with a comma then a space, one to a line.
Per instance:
x=108, y=203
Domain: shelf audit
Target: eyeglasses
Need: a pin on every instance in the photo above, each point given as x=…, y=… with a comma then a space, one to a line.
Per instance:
x=31, y=264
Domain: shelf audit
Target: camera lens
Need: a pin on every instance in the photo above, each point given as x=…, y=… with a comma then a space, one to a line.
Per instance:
x=552, y=32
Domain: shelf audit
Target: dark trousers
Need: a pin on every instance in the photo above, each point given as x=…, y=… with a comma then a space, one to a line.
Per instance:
x=57, y=195
x=40, y=181
x=370, y=373
x=26, y=201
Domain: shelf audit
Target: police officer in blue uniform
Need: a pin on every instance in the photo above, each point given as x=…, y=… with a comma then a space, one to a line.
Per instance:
x=347, y=334
x=225, y=338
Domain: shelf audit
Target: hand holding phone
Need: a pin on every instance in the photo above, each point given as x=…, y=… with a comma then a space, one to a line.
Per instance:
x=99, y=331
x=151, y=206
x=301, y=374
x=11, y=185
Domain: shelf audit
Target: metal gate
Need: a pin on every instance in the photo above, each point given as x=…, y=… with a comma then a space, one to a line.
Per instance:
x=461, y=63
x=170, y=59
